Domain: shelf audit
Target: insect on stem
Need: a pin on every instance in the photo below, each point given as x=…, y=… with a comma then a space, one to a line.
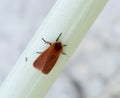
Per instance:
x=48, y=58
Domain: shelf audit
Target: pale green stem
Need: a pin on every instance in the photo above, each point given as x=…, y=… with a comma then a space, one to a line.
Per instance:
x=71, y=17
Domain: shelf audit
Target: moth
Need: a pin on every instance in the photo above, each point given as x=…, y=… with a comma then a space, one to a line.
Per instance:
x=46, y=61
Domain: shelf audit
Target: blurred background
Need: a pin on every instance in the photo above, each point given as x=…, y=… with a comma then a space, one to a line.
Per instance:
x=93, y=71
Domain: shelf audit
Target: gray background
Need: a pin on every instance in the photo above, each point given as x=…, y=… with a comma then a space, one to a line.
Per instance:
x=93, y=71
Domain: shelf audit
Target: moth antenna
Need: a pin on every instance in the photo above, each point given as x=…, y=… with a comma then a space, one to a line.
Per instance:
x=58, y=37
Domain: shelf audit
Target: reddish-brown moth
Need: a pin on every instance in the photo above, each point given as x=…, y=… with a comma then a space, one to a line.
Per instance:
x=46, y=61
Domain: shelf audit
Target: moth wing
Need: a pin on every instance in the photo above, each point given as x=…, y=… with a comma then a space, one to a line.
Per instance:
x=40, y=61
x=50, y=62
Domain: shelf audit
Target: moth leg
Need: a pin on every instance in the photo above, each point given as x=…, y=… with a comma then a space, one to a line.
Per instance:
x=64, y=45
x=63, y=53
x=46, y=41
x=39, y=52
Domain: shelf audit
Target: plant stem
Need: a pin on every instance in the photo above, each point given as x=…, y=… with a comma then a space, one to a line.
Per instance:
x=71, y=17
